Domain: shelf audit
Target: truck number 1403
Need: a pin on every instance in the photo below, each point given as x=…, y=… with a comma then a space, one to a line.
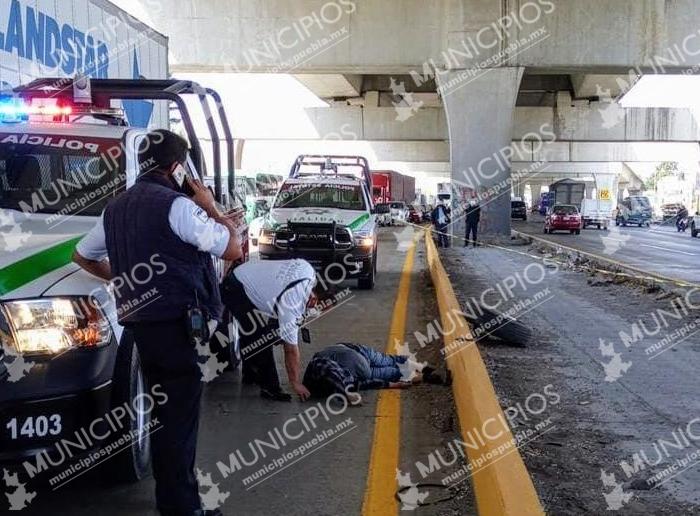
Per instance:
x=39, y=426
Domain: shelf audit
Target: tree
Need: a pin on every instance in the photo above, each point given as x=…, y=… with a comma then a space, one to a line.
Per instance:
x=665, y=169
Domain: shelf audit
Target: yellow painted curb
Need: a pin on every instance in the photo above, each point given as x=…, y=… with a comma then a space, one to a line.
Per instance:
x=382, y=485
x=501, y=482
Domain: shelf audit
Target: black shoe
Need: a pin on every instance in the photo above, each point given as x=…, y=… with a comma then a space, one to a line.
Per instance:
x=275, y=395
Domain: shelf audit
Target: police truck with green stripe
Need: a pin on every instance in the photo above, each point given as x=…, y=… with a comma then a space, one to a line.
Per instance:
x=323, y=213
x=68, y=372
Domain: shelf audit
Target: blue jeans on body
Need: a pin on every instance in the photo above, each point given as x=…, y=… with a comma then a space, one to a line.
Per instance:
x=382, y=366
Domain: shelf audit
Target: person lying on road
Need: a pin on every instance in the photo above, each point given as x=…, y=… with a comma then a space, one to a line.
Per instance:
x=346, y=368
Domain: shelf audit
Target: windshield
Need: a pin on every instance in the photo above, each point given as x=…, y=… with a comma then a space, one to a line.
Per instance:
x=397, y=205
x=640, y=203
x=382, y=208
x=565, y=210
x=517, y=204
x=320, y=195
x=59, y=175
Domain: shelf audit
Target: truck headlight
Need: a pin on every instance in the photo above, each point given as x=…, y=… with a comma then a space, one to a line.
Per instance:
x=363, y=240
x=267, y=236
x=54, y=325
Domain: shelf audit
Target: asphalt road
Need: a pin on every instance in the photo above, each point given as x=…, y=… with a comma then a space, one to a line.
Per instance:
x=658, y=249
x=331, y=475
x=624, y=370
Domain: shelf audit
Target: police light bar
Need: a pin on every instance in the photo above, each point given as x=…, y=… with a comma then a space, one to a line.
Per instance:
x=14, y=109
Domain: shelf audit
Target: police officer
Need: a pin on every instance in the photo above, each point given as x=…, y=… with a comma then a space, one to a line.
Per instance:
x=472, y=216
x=270, y=299
x=155, y=231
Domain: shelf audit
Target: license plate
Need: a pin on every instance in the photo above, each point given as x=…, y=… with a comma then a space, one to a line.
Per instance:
x=33, y=427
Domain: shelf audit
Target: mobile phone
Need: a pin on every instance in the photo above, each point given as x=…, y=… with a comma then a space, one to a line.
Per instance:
x=179, y=175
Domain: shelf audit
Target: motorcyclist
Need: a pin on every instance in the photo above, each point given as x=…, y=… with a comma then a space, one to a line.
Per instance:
x=682, y=218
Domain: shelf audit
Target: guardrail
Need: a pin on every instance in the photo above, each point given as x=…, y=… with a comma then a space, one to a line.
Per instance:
x=504, y=486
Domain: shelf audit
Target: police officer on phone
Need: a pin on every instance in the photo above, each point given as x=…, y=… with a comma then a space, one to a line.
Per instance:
x=170, y=223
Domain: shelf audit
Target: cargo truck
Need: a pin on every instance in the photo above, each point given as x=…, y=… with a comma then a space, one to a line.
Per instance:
x=389, y=186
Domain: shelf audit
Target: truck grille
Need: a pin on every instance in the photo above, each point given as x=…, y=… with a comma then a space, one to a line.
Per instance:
x=315, y=236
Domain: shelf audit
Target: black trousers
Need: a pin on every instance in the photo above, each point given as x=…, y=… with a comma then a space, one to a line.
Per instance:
x=169, y=358
x=442, y=239
x=258, y=335
x=471, y=230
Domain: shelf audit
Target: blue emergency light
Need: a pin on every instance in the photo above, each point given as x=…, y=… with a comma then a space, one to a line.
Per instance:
x=14, y=109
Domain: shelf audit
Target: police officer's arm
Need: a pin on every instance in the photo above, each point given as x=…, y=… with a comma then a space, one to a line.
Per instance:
x=91, y=253
x=205, y=200
x=292, y=359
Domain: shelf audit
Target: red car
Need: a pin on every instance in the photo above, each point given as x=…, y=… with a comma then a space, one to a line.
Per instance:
x=414, y=216
x=564, y=217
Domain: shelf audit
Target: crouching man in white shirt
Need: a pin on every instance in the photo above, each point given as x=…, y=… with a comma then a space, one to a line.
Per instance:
x=269, y=300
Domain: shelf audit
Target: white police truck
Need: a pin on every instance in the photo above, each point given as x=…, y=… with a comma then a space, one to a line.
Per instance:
x=68, y=371
x=323, y=213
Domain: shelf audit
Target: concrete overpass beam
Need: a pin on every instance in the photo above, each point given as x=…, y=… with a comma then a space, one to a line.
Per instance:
x=480, y=124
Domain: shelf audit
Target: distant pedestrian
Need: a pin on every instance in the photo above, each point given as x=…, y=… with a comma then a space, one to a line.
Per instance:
x=441, y=218
x=472, y=216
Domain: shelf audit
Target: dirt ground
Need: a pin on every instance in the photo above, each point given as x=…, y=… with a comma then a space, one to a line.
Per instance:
x=598, y=423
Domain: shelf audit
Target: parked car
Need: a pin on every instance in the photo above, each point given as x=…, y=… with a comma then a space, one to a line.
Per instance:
x=518, y=210
x=399, y=212
x=383, y=212
x=563, y=217
x=414, y=216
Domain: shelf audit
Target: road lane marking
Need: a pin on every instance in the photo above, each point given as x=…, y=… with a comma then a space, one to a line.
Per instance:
x=667, y=249
x=382, y=485
x=646, y=273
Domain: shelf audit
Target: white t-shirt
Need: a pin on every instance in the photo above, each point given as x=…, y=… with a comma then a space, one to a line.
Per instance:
x=264, y=281
x=187, y=220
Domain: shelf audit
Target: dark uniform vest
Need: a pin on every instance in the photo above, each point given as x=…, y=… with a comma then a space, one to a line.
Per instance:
x=161, y=276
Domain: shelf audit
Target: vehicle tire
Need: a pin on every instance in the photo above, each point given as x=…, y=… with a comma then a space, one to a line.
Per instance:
x=525, y=218
x=367, y=282
x=578, y=231
x=693, y=231
x=227, y=349
x=640, y=224
x=128, y=387
x=624, y=223
x=571, y=231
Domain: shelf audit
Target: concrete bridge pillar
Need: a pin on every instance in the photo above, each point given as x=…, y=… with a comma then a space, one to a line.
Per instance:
x=535, y=191
x=480, y=105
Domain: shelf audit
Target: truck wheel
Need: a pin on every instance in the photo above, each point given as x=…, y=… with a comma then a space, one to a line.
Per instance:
x=226, y=342
x=367, y=282
x=128, y=388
